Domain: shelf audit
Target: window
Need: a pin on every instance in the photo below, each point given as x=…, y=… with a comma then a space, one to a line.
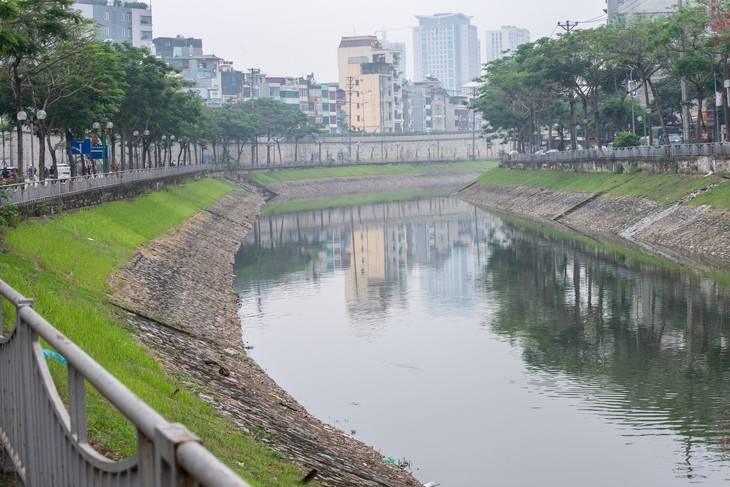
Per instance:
x=145, y=19
x=106, y=15
x=145, y=34
x=106, y=31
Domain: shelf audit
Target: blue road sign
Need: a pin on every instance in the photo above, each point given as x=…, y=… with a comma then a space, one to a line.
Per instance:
x=81, y=146
x=98, y=151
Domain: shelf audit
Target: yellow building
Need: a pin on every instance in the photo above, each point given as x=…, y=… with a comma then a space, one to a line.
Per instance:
x=371, y=72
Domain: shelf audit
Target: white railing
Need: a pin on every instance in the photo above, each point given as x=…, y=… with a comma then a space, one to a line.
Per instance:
x=37, y=190
x=46, y=442
x=623, y=153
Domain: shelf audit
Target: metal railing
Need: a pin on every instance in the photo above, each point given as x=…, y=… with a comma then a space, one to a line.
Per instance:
x=46, y=444
x=623, y=153
x=37, y=190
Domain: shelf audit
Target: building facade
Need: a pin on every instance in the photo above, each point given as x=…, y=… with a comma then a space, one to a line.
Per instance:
x=204, y=71
x=120, y=21
x=502, y=42
x=446, y=47
x=620, y=10
x=372, y=73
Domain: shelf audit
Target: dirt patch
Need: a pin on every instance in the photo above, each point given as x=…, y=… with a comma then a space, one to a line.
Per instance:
x=178, y=289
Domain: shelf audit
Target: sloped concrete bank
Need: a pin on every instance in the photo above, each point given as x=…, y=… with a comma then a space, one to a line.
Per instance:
x=693, y=235
x=178, y=291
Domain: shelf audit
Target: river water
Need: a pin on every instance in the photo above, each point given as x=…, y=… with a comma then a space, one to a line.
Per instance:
x=482, y=353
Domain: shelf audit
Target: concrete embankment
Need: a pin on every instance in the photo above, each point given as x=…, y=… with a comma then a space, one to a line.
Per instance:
x=178, y=289
x=693, y=235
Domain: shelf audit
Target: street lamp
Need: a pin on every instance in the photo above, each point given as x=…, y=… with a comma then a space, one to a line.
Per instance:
x=172, y=142
x=642, y=119
x=145, y=148
x=164, y=150
x=104, y=149
x=135, y=162
x=110, y=134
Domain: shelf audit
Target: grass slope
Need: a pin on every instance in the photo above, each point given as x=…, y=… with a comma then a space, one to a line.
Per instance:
x=63, y=262
x=277, y=176
x=664, y=188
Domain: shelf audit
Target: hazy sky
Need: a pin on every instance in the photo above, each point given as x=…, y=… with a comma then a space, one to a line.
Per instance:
x=291, y=38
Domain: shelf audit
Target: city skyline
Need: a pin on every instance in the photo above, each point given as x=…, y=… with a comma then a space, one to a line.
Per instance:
x=298, y=38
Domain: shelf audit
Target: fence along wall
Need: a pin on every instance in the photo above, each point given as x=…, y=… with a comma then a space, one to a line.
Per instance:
x=47, y=445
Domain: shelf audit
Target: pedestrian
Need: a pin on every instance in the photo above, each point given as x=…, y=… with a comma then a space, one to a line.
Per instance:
x=6, y=173
x=45, y=173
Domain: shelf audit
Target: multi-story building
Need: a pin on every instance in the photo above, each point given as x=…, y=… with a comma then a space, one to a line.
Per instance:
x=619, y=10
x=372, y=73
x=502, y=42
x=204, y=71
x=120, y=21
x=446, y=47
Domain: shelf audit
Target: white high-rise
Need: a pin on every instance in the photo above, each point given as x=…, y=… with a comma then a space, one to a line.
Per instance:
x=502, y=42
x=446, y=47
x=625, y=9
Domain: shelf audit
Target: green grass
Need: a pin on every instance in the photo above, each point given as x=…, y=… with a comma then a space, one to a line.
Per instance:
x=275, y=176
x=367, y=199
x=663, y=188
x=63, y=262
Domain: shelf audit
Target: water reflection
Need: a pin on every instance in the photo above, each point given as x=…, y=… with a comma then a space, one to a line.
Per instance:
x=503, y=345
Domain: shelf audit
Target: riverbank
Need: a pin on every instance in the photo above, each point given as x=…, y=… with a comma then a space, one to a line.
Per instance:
x=677, y=228
x=182, y=306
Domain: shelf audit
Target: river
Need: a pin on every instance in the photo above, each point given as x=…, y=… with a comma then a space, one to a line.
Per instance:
x=478, y=352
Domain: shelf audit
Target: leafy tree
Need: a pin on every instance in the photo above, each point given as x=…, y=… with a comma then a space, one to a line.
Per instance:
x=29, y=37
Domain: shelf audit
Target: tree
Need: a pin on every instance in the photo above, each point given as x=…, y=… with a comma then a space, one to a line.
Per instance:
x=27, y=38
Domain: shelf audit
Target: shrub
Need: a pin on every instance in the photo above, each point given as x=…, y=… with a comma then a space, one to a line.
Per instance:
x=626, y=139
x=9, y=215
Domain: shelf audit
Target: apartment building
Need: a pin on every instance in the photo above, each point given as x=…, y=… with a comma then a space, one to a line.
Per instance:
x=619, y=10
x=372, y=72
x=502, y=42
x=120, y=21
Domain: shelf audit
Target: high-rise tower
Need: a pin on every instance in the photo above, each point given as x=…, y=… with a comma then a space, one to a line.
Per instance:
x=447, y=48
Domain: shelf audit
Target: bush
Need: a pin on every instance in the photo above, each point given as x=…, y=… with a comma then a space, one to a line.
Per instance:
x=9, y=215
x=626, y=139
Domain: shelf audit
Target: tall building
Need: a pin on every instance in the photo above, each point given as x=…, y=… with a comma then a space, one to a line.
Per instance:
x=502, y=42
x=120, y=21
x=372, y=74
x=446, y=47
x=619, y=10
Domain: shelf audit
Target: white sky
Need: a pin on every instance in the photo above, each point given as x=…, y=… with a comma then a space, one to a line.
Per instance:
x=294, y=37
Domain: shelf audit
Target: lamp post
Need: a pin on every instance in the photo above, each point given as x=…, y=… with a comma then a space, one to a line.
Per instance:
x=135, y=141
x=22, y=117
x=164, y=150
x=648, y=122
x=172, y=143
x=40, y=116
x=145, y=148
x=104, y=149
x=642, y=119
x=631, y=85
x=110, y=135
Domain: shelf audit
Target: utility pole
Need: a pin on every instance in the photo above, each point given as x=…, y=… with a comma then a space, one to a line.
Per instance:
x=254, y=143
x=350, y=80
x=567, y=26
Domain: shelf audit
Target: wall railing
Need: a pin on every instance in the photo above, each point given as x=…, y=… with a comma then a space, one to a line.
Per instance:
x=685, y=150
x=46, y=442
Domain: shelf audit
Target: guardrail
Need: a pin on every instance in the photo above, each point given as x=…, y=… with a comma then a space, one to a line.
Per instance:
x=622, y=153
x=37, y=190
x=46, y=444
